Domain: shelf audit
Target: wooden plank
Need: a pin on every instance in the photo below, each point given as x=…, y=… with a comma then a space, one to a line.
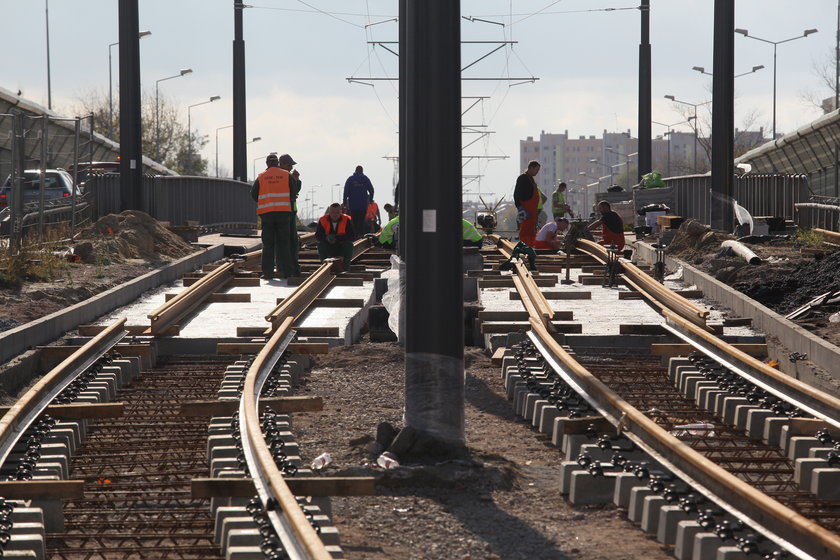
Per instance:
x=334, y=302
x=670, y=350
x=81, y=410
x=242, y=283
x=280, y=405
x=563, y=315
x=498, y=356
x=299, y=485
x=51, y=356
x=689, y=294
x=93, y=330
x=641, y=329
x=558, y=295
x=229, y=298
x=737, y=321
x=233, y=348
x=337, y=281
x=251, y=332
x=508, y=282
x=632, y=294
x=42, y=489
x=505, y=328
x=599, y=280
x=809, y=427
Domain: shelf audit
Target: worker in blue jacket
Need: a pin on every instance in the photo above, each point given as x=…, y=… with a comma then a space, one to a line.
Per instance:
x=358, y=193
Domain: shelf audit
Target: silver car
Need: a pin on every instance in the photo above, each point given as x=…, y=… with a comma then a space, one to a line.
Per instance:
x=57, y=184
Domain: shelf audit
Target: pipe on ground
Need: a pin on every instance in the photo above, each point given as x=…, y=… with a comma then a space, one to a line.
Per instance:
x=742, y=251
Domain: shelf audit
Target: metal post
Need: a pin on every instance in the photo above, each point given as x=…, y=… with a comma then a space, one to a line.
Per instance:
x=110, y=94
x=774, y=90
x=76, y=132
x=645, y=155
x=723, y=117
x=431, y=225
x=696, y=125
x=18, y=166
x=131, y=141
x=837, y=62
x=240, y=151
x=400, y=192
x=49, y=73
x=43, y=185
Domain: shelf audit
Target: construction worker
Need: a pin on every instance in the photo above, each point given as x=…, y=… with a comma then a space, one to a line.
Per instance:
x=526, y=198
x=372, y=220
x=286, y=162
x=471, y=236
x=558, y=202
x=391, y=210
x=273, y=192
x=335, y=235
x=612, y=226
x=358, y=192
x=390, y=234
x=549, y=236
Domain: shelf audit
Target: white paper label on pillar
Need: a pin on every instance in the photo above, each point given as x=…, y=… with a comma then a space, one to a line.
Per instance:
x=429, y=221
x=133, y=164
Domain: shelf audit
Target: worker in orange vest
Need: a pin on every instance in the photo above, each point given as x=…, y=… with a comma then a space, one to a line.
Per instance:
x=372, y=221
x=273, y=191
x=335, y=235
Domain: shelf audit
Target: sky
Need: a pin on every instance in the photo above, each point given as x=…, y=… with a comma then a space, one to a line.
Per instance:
x=300, y=54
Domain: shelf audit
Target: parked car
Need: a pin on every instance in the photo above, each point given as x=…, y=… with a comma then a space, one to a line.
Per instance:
x=86, y=169
x=57, y=184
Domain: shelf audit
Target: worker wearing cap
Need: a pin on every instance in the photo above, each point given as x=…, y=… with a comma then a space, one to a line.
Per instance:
x=274, y=191
x=286, y=162
x=390, y=234
x=335, y=235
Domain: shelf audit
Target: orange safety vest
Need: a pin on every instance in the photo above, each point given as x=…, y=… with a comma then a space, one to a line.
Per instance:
x=372, y=211
x=342, y=223
x=275, y=194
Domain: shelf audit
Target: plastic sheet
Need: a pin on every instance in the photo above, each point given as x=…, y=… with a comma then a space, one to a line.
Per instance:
x=434, y=398
x=394, y=298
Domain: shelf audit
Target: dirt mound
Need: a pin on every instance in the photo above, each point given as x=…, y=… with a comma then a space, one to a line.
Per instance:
x=132, y=235
x=788, y=291
x=693, y=238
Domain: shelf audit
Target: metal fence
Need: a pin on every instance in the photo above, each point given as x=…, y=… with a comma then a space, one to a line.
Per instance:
x=35, y=143
x=762, y=195
x=178, y=200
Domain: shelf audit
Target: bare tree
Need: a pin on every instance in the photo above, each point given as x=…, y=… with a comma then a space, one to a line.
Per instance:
x=167, y=143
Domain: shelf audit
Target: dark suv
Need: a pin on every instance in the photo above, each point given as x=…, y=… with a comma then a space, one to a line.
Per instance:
x=57, y=184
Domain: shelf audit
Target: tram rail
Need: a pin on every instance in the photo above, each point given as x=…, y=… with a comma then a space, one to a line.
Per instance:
x=791, y=530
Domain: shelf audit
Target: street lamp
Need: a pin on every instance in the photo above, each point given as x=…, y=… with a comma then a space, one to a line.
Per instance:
x=754, y=69
x=696, y=124
x=746, y=33
x=594, y=160
x=254, y=166
x=668, y=134
x=140, y=35
x=254, y=139
x=217, y=146
x=189, y=128
x=184, y=72
x=626, y=162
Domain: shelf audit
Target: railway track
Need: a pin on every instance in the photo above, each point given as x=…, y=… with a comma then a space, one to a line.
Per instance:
x=716, y=453
x=121, y=456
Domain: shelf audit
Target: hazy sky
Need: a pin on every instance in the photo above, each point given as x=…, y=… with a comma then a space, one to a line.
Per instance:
x=299, y=54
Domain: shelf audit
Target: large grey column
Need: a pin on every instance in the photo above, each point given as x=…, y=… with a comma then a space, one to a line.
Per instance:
x=723, y=116
x=431, y=222
x=131, y=145
x=645, y=156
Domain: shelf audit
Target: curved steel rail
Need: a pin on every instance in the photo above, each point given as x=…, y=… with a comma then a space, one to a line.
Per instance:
x=791, y=530
x=295, y=532
x=191, y=297
x=811, y=400
x=31, y=405
x=655, y=292
x=531, y=296
x=294, y=305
